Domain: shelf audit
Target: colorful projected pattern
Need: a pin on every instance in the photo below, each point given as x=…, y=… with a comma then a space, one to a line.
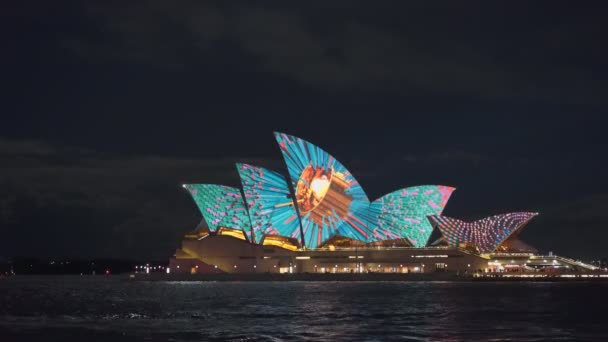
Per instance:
x=487, y=234
x=221, y=206
x=269, y=202
x=403, y=213
x=330, y=200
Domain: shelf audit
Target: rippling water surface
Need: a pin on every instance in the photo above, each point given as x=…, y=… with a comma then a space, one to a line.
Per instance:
x=110, y=309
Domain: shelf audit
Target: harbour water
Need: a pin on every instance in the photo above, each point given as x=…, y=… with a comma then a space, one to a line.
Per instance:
x=99, y=308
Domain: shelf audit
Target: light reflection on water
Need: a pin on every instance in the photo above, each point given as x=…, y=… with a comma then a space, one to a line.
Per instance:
x=100, y=309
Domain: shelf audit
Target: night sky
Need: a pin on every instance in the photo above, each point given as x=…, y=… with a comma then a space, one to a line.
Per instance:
x=108, y=107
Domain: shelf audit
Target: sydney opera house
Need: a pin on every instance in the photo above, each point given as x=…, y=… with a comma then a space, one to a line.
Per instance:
x=321, y=221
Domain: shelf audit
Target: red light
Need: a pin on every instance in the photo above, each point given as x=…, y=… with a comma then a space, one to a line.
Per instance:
x=107, y=271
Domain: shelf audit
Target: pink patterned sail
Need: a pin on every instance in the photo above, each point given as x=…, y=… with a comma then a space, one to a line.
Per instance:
x=487, y=234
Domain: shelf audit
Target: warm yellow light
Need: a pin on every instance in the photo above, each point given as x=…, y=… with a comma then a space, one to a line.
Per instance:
x=275, y=241
x=232, y=233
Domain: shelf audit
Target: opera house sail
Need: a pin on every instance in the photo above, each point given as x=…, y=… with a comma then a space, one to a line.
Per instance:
x=486, y=234
x=402, y=214
x=317, y=218
x=222, y=207
x=269, y=202
x=329, y=198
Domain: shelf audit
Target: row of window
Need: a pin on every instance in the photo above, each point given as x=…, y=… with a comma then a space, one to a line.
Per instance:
x=342, y=257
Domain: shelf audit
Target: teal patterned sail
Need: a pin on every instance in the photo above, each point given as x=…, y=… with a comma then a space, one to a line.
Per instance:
x=403, y=213
x=269, y=203
x=329, y=199
x=221, y=206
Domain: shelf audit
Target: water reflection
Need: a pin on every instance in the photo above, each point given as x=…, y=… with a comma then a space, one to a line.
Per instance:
x=318, y=311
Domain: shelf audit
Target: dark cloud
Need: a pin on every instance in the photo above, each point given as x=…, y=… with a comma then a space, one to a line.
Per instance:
x=111, y=106
x=588, y=208
x=25, y=148
x=133, y=205
x=358, y=49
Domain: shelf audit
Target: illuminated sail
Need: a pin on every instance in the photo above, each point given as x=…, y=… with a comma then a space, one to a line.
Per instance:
x=268, y=199
x=486, y=234
x=221, y=206
x=330, y=200
x=403, y=213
